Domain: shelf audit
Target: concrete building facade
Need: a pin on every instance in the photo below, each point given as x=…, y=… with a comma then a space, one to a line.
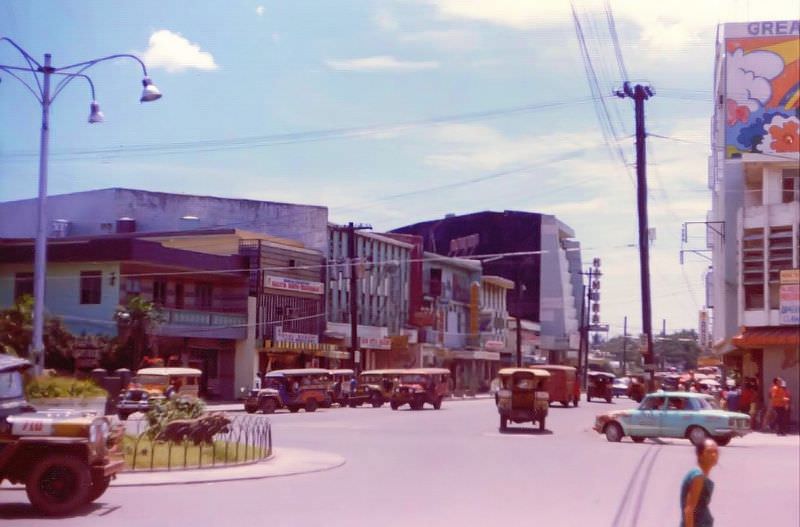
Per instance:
x=754, y=222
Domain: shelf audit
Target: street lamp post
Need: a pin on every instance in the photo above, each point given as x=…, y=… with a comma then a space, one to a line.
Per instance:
x=41, y=91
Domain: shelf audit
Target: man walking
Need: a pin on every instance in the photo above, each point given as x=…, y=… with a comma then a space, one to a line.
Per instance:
x=779, y=400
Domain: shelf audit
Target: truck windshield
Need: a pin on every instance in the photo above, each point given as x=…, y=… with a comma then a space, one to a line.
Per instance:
x=10, y=385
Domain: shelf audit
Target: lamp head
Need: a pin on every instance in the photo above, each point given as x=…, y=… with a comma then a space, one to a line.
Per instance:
x=95, y=115
x=150, y=92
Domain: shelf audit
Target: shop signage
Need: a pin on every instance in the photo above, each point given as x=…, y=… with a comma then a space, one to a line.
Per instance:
x=378, y=343
x=293, y=284
x=494, y=345
x=282, y=337
x=790, y=304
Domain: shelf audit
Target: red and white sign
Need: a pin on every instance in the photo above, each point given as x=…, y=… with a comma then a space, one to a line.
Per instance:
x=293, y=284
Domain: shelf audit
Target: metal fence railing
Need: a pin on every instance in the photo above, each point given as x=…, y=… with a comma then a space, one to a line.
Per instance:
x=245, y=439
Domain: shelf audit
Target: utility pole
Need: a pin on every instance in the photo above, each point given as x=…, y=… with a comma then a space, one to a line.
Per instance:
x=588, y=304
x=518, y=286
x=352, y=257
x=584, y=309
x=639, y=94
x=624, y=345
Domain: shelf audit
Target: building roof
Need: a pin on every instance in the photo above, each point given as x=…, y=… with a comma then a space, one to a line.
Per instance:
x=499, y=281
x=465, y=263
x=759, y=337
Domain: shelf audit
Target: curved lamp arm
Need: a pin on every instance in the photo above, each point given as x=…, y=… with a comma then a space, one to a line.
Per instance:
x=63, y=83
x=10, y=71
x=30, y=60
x=90, y=63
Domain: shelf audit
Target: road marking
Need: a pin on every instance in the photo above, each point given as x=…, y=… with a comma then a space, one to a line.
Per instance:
x=634, y=494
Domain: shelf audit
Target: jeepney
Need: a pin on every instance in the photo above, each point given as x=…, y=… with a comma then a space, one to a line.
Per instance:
x=564, y=386
x=65, y=459
x=599, y=384
x=418, y=386
x=374, y=387
x=523, y=396
x=339, y=389
x=292, y=389
x=150, y=385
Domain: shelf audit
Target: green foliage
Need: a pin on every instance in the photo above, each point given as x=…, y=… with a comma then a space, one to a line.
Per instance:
x=135, y=320
x=172, y=409
x=16, y=335
x=45, y=387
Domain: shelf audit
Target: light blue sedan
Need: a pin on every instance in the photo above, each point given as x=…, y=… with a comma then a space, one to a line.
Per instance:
x=694, y=416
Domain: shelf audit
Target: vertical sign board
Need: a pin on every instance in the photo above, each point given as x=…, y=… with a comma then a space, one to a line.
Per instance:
x=761, y=88
x=703, y=330
x=790, y=297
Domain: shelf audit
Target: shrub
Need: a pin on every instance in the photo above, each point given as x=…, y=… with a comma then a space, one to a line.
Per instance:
x=54, y=387
x=172, y=409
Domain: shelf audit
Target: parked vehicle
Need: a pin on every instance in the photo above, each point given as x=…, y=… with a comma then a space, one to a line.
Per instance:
x=65, y=459
x=523, y=396
x=153, y=384
x=339, y=390
x=419, y=386
x=564, y=386
x=374, y=387
x=598, y=384
x=620, y=386
x=637, y=388
x=294, y=389
x=694, y=416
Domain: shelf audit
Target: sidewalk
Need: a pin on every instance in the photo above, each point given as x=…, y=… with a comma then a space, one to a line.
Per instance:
x=238, y=406
x=284, y=462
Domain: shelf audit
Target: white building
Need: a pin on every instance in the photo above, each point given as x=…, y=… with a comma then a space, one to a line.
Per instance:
x=754, y=222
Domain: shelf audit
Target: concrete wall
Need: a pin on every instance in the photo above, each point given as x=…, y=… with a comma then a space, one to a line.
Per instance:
x=246, y=360
x=62, y=295
x=783, y=363
x=560, y=302
x=96, y=211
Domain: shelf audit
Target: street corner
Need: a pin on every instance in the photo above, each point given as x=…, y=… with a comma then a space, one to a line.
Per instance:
x=283, y=462
x=762, y=439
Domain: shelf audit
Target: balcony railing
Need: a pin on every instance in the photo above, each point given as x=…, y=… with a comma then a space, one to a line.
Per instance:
x=191, y=323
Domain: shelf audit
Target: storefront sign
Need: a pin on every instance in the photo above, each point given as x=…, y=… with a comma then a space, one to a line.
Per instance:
x=790, y=304
x=294, y=338
x=495, y=345
x=293, y=284
x=377, y=343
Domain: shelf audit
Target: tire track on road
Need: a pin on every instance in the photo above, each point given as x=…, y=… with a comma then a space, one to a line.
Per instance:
x=631, y=504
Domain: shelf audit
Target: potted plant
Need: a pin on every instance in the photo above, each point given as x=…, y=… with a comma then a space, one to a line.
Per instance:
x=66, y=393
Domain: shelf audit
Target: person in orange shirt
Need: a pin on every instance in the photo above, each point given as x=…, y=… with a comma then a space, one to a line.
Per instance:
x=779, y=400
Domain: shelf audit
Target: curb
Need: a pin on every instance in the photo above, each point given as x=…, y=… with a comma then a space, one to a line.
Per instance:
x=285, y=462
x=236, y=407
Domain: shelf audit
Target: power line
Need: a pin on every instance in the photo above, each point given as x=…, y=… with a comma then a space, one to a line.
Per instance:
x=289, y=138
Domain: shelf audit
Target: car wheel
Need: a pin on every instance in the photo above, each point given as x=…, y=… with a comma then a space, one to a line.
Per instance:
x=608, y=399
x=99, y=486
x=565, y=404
x=268, y=406
x=294, y=409
x=353, y=405
x=638, y=439
x=249, y=410
x=722, y=440
x=588, y=398
x=541, y=424
x=696, y=435
x=613, y=432
x=311, y=405
x=58, y=484
x=437, y=404
x=503, y=423
x=394, y=405
x=122, y=416
x=376, y=400
x=575, y=402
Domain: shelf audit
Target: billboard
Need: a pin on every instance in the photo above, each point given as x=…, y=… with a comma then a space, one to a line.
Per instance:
x=762, y=88
x=790, y=297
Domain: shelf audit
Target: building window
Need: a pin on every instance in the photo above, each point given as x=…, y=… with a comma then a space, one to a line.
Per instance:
x=91, y=286
x=202, y=295
x=160, y=292
x=790, y=185
x=753, y=268
x=23, y=285
x=179, y=295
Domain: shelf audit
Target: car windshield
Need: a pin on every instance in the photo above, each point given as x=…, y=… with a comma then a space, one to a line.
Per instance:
x=10, y=385
x=151, y=379
x=412, y=379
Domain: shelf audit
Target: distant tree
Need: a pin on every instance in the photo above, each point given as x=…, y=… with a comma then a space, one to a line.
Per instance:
x=613, y=347
x=136, y=320
x=16, y=335
x=679, y=347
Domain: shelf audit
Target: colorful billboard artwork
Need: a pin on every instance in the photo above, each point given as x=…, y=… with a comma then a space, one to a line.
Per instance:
x=762, y=94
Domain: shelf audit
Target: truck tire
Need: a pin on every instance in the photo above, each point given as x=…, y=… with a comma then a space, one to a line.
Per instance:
x=99, y=486
x=268, y=405
x=437, y=404
x=311, y=405
x=503, y=423
x=541, y=424
x=58, y=484
x=376, y=400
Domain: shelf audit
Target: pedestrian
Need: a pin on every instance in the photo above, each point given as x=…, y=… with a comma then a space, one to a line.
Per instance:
x=779, y=401
x=697, y=488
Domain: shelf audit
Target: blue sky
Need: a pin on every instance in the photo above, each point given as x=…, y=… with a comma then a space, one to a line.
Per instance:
x=255, y=70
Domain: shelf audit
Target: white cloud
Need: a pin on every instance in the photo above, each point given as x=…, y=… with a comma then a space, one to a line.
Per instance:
x=380, y=63
x=386, y=20
x=173, y=52
x=749, y=75
x=448, y=39
x=260, y=10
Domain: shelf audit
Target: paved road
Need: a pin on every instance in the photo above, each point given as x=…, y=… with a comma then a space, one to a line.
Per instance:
x=453, y=467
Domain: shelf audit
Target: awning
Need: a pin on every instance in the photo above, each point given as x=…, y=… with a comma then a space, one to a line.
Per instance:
x=761, y=337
